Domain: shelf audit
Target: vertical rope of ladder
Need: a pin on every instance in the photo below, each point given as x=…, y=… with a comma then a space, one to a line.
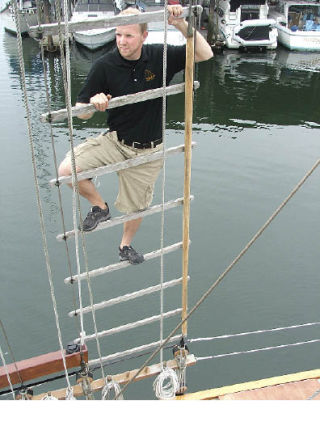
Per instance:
x=164, y=113
x=45, y=76
x=187, y=166
x=66, y=78
x=40, y=209
x=7, y=372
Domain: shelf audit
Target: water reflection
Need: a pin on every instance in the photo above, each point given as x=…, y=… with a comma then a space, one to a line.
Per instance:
x=274, y=88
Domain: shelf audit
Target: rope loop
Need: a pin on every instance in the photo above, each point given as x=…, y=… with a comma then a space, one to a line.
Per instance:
x=110, y=386
x=166, y=384
x=49, y=397
x=69, y=395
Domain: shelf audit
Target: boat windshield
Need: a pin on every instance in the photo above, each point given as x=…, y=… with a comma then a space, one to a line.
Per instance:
x=304, y=17
x=94, y=5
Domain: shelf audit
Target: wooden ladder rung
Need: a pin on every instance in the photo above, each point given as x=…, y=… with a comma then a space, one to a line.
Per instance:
x=123, y=264
x=118, y=356
x=127, y=297
x=110, y=22
x=116, y=102
x=130, y=326
x=125, y=218
x=132, y=162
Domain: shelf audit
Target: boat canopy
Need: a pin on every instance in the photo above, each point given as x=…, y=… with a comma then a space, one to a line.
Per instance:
x=94, y=5
x=235, y=4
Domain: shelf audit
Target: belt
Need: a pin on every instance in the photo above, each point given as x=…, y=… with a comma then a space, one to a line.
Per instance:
x=141, y=145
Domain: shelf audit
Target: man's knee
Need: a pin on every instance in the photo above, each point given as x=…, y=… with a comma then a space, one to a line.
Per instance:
x=64, y=168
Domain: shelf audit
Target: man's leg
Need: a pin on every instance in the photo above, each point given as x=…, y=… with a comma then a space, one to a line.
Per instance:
x=129, y=230
x=86, y=187
x=100, y=210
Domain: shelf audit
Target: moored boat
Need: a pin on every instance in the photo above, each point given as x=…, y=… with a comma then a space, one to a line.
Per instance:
x=298, y=24
x=85, y=10
x=27, y=13
x=245, y=24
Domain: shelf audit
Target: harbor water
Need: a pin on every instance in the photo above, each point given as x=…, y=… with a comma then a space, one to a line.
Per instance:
x=256, y=128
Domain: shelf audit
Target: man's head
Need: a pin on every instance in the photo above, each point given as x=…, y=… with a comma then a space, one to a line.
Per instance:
x=130, y=38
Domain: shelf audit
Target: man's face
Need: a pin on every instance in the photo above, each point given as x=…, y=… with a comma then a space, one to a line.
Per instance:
x=130, y=40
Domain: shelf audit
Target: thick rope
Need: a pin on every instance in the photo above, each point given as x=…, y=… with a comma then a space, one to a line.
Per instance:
x=247, y=333
x=228, y=269
x=268, y=348
x=41, y=215
x=166, y=384
x=67, y=88
x=7, y=372
x=45, y=75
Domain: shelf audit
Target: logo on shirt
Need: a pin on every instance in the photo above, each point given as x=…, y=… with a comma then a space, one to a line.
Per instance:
x=149, y=76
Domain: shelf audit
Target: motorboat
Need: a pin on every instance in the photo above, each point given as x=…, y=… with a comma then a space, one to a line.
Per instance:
x=86, y=10
x=298, y=24
x=245, y=24
x=27, y=15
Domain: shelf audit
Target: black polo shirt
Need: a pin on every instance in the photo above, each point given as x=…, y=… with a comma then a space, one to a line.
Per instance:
x=114, y=75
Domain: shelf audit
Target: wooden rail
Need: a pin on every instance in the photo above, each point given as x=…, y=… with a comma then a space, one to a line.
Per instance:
x=126, y=297
x=114, y=21
x=125, y=218
x=123, y=264
x=40, y=366
x=111, y=168
x=117, y=102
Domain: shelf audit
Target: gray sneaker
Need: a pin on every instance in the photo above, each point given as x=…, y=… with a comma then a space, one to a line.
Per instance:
x=95, y=216
x=129, y=253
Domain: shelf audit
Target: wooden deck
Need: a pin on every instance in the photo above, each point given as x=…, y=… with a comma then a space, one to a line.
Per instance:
x=297, y=386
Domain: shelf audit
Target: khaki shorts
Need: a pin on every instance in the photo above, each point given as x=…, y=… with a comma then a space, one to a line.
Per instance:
x=136, y=184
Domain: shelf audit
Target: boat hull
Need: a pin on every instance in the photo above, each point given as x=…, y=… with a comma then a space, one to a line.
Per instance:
x=94, y=39
x=299, y=40
x=28, y=18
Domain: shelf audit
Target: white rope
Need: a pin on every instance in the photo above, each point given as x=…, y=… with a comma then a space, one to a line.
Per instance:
x=69, y=395
x=164, y=113
x=49, y=397
x=166, y=384
x=269, y=348
x=111, y=386
x=7, y=372
x=40, y=209
x=247, y=333
x=67, y=89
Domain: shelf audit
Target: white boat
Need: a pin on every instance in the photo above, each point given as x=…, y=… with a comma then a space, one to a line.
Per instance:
x=298, y=24
x=156, y=29
x=245, y=24
x=86, y=10
x=27, y=13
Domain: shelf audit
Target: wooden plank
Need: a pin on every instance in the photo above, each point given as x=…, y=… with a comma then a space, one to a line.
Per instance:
x=130, y=326
x=114, y=21
x=125, y=218
x=123, y=264
x=131, y=162
x=117, y=356
x=127, y=297
x=301, y=390
x=39, y=366
x=117, y=102
x=187, y=171
x=121, y=378
x=257, y=384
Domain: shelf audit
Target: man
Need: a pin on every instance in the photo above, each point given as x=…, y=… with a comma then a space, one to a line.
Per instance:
x=133, y=129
